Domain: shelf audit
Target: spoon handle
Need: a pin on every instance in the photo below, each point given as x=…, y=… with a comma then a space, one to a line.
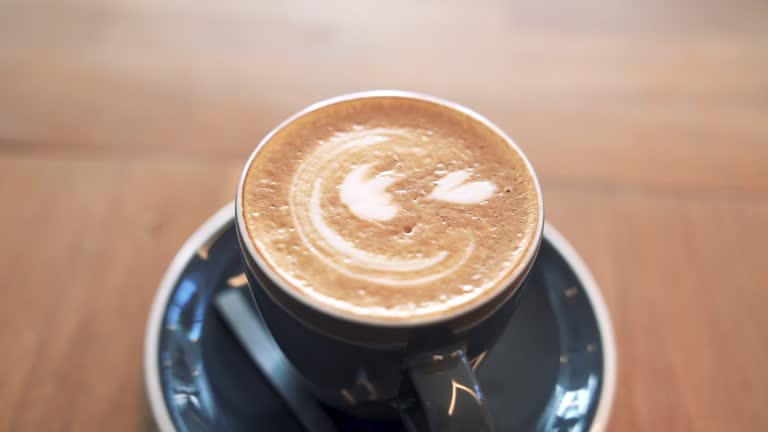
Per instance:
x=253, y=335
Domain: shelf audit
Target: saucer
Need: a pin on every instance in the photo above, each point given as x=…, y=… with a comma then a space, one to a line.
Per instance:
x=553, y=369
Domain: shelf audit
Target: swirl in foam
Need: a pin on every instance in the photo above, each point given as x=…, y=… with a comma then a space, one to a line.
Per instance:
x=390, y=207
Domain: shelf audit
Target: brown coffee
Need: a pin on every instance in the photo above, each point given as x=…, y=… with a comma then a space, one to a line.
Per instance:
x=391, y=208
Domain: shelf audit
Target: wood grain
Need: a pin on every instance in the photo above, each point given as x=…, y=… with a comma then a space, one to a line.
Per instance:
x=124, y=124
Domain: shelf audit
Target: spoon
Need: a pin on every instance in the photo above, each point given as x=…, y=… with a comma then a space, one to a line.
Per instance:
x=253, y=335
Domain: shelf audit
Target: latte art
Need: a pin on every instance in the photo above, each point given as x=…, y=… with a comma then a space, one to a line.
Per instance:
x=368, y=199
x=391, y=207
x=451, y=189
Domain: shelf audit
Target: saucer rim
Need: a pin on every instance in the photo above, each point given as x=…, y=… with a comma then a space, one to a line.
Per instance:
x=220, y=221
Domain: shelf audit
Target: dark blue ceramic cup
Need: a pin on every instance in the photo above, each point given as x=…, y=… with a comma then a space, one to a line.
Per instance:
x=422, y=372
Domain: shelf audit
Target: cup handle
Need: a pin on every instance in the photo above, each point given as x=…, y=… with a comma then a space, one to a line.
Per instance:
x=450, y=399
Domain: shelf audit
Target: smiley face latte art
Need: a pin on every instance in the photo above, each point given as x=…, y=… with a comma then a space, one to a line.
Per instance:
x=391, y=207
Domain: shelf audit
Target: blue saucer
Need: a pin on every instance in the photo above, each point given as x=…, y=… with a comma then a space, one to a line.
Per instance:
x=554, y=368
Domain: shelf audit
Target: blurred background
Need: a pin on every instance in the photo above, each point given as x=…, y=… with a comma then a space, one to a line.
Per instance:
x=125, y=123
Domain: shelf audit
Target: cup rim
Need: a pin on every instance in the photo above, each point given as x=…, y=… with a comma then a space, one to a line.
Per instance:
x=220, y=221
x=498, y=291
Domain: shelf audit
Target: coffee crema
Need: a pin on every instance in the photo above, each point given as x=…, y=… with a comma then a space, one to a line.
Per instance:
x=391, y=207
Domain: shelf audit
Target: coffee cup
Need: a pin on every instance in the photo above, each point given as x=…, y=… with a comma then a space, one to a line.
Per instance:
x=387, y=237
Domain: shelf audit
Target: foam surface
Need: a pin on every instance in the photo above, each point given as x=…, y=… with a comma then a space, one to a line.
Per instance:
x=391, y=208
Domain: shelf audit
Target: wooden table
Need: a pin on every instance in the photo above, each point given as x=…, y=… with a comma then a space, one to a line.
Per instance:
x=125, y=123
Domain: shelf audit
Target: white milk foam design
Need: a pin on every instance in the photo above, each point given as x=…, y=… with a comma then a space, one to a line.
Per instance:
x=452, y=188
x=365, y=195
x=368, y=199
